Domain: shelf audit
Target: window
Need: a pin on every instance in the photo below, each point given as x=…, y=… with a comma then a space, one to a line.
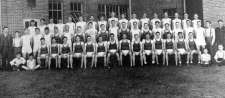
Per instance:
x=106, y=9
x=55, y=10
x=76, y=10
x=170, y=12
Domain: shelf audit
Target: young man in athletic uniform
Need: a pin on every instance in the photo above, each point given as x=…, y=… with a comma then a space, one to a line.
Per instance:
x=123, y=19
x=26, y=43
x=133, y=20
x=82, y=24
x=43, y=53
x=71, y=24
x=200, y=37
x=57, y=36
x=92, y=19
x=158, y=46
x=78, y=50
x=177, y=29
x=166, y=30
x=114, y=29
x=144, y=20
x=112, y=48
x=176, y=21
x=184, y=21
x=47, y=35
x=188, y=29
x=91, y=31
x=135, y=30
x=125, y=49
x=124, y=30
x=137, y=49
x=154, y=20
x=65, y=51
x=181, y=46
x=36, y=41
x=113, y=17
x=103, y=33
x=67, y=34
x=157, y=29
x=42, y=25
x=148, y=48
x=210, y=36
x=54, y=53
x=101, y=49
x=102, y=21
x=89, y=52
x=195, y=21
x=80, y=34
x=60, y=26
x=51, y=26
x=166, y=20
x=169, y=45
x=146, y=30
x=192, y=48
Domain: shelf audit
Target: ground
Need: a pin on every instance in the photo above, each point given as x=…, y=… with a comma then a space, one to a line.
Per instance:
x=147, y=82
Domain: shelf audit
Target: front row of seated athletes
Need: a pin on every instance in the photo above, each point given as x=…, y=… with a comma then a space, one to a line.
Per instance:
x=124, y=50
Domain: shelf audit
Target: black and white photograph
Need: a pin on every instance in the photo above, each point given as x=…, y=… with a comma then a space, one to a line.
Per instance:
x=112, y=48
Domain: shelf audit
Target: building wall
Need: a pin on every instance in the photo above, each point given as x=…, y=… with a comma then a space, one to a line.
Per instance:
x=214, y=10
x=193, y=7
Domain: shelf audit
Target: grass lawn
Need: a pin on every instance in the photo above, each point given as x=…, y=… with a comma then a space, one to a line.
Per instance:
x=146, y=82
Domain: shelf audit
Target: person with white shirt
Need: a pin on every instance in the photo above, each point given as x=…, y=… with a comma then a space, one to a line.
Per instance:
x=209, y=36
x=176, y=20
x=17, y=43
x=42, y=25
x=177, y=29
x=123, y=19
x=31, y=64
x=157, y=29
x=47, y=36
x=144, y=20
x=200, y=36
x=220, y=55
x=184, y=21
x=167, y=30
x=188, y=29
x=68, y=34
x=166, y=20
x=114, y=30
x=32, y=28
x=113, y=17
x=36, y=41
x=17, y=62
x=26, y=43
x=102, y=21
x=82, y=24
x=71, y=24
x=51, y=26
x=154, y=20
x=135, y=30
x=134, y=19
x=92, y=19
x=195, y=21
x=60, y=26
x=91, y=31
x=146, y=30
x=205, y=58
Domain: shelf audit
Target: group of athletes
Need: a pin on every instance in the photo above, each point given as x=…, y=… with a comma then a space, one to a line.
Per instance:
x=136, y=40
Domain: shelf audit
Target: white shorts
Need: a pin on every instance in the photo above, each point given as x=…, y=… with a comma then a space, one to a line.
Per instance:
x=90, y=54
x=54, y=55
x=125, y=52
x=112, y=51
x=100, y=54
x=181, y=51
x=169, y=51
x=200, y=43
x=77, y=54
x=147, y=52
x=26, y=50
x=158, y=52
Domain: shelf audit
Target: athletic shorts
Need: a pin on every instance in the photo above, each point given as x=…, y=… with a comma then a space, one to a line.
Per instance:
x=26, y=50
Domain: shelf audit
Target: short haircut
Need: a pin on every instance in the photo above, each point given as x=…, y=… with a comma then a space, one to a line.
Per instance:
x=46, y=28
x=37, y=29
x=42, y=38
x=220, y=20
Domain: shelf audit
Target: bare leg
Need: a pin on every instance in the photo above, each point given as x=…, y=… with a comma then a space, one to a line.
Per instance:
x=85, y=62
x=130, y=54
x=93, y=60
x=133, y=59
x=166, y=57
x=144, y=58
x=105, y=60
x=141, y=59
x=121, y=59
x=71, y=61
x=82, y=60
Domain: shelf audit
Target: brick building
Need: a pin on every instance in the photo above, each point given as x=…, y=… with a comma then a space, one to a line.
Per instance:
x=16, y=13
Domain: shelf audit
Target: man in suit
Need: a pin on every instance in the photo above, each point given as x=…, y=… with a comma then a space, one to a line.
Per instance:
x=220, y=33
x=6, y=49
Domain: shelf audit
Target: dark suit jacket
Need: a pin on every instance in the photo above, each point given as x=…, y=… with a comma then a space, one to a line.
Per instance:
x=6, y=45
x=220, y=35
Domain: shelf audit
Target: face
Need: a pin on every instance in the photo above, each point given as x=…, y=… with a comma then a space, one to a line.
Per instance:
x=100, y=39
x=79, y=29
x=166, y=15
x=37, y=31
x=27, y=31
x=123, y=25
x=124, y=36
x=51, y=20
x=136, y=37
x=205, y=51
x=196, y=16
x=155, y=15
x=67, y=28
x=207, y=24
x=113, y=14
x=18, y=55
x=65, y=40
x=70, y=19
x=102, y=18
x=46, y=31
x=81, y=18
x=220, y=23
x=169, y=36
x=157, y=24
x=32, y=23
x=60, y=21
x=92, y=18
x=17, y=34
x=53, y=41
x=186, y=16
x=180, y=35
x=102, y=27
x=56, y=30
x=167, y=26
x=123, y=16
x=135, y=25
x=147, y=36
x=31, y=57
x=134, y=15
x=113, y=23
x=89, y=39
x=42, y=21
x=144, y=15
x=199, y=24
x=90, y=25
x=112, y=37
x=6, y=30
x=190, y=35
x=146, y=26
x=78, y=39
x=176, y=15
x=42, y=41
x=220, y=47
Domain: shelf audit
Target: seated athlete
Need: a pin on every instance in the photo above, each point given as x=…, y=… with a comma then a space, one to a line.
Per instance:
x=158, y=45
x=54, y=52
x=125, y=49
x=89, y=52
x=192, y=48
x=169, y=48
x=43, y=52
x=181, y=47
x=78, y=50
x=65, y=50
x=103, y=33
x=137, y=49
x=148, y=48
x=112, y=48
x=101, y=51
